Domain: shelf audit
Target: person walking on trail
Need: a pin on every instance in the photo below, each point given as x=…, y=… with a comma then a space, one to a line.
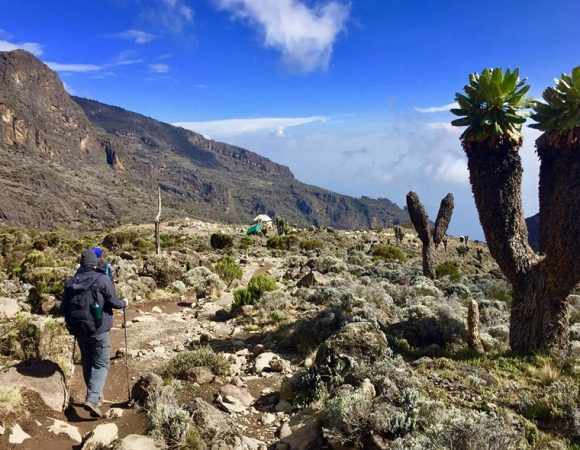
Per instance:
x=89, y=299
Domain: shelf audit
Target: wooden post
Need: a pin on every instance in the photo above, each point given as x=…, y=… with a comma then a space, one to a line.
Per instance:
x=157, y=222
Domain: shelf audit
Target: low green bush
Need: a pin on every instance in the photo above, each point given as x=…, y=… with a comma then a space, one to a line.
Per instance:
x=246, y=242
x=203, y=356
x=220, y=241
x=501, y=291
x=251, y=295
x=284, y=242
x=311, y=244
x=228, y=269
x=389, y=252
x=448, y=268
x=119, y=239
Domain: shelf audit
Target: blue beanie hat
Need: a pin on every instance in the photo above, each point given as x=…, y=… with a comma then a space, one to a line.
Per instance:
x=98, y=252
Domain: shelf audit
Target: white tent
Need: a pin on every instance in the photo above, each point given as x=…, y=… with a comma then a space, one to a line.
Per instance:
x=264, y=219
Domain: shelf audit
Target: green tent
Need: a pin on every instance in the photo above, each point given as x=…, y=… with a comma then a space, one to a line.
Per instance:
x=254, y=229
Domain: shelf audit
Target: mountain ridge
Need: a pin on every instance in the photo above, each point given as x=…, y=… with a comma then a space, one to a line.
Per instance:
x=80, y=162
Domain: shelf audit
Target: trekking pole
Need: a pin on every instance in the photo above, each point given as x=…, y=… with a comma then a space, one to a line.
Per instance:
x=70, y=376
x=126, y=354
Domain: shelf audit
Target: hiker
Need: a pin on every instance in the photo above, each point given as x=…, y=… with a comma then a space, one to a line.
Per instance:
x=89, y=299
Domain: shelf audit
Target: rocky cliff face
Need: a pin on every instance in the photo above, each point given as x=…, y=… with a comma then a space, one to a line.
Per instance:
x=79, y=162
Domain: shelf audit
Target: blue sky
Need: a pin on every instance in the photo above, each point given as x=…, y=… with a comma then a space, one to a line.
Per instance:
x=353, y=96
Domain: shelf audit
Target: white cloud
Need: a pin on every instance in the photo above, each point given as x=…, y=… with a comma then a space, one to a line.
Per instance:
x=305, y=36
x=158, y=68
x=443, y=126
x=173, y=15
x=449, y=168
x=137, y=36
x=237, y=127
x=33, y=47
x=434, y=109
x=81, y=68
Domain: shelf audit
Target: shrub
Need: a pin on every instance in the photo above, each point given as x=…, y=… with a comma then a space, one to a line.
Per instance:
x=162, y=269
x=220, y=241
x=167, y=420
x=246, y=242
x=119, y=239
x=203, y=356
x=500, y=291
x=448, y=268
x=10, y=400
x=347, y=418
x=389, y=252
x=311, y=244
x=228, y=269
x=284, y=242
x=251, y=295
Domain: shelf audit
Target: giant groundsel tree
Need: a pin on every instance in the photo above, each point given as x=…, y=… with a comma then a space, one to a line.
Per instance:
x=492, y=111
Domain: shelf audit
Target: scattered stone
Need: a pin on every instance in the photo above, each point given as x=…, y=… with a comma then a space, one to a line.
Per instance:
x=114, y=413
x=101, y=437
x=304, y=430
x=156, y=310
x=126, y=256
x=159, y=350
x=201, y=375
x=154, y=343
x=2, y=430
x=41, y=376
x=8, y=307
x=18, y=436
x=269, y=361
x=230, y=404
x=258, y=349
x=138, y=442
x=60, y=427
x=268, y=418
x=240, y=394
x=144, y=319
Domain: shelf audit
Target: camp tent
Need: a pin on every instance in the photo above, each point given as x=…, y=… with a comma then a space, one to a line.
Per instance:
x=264, y=220
x=254, y=229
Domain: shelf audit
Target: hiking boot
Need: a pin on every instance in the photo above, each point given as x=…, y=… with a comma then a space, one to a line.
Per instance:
x=93, y=408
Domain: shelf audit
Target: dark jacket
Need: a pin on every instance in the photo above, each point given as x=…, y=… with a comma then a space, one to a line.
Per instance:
x=103, y=288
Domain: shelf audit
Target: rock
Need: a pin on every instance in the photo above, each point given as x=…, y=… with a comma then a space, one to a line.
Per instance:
x=270, y=362
x=154, y=343
x=258, y=349
x=268, y=418
x=41, y=376
x=304, y=431
x=355, y=344
x=201, y=375
x=284, y=406
x=2, y=430
x=160, y=350
x=60, y=427
x=138, y=442
x=240, y=394
x=179, y=287
x=312, y=279
x=290, y=387
x=101, y=437
x=8, y=307
x=144, y=319
x=18, y=436
x=156, y=310
x=126, y=256
x=284, y=431
x=114, y=413
x=230, y=404
x=178, y=347
x=144, y=386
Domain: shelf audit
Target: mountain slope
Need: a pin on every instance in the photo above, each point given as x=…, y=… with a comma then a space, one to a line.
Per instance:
x=77, y=161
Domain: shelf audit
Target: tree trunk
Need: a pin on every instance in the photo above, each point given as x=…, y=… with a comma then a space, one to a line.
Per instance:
x=539, y=313
x=428, y=270
x=158, y=223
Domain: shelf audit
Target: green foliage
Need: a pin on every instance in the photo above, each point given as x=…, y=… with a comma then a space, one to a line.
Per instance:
x=220, y=241
x=450, y=269
x=167, y=420
x=311, y=244
x=389, y=252
x=246, y=242
x=203, y=356
x=491, y=106
x=501, y=291
x=19, y=338
x=561, y=112
x=10, y=400
x=284, y=242
x=120, y=239
x=251, y=295
x=228, y=269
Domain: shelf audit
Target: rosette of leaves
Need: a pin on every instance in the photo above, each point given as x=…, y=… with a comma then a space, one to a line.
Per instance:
x=491, y=106
x=560, y=115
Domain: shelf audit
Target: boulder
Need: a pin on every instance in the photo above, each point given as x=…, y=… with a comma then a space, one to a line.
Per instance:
x=17, y=436
x=240, y=394
x=144, y=386
x=302, y=432
x=355, y=344
x=162, y=269
x=206, y=283
x=41, y=376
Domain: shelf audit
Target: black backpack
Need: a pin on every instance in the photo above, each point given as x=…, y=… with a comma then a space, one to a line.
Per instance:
x=81, y=308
